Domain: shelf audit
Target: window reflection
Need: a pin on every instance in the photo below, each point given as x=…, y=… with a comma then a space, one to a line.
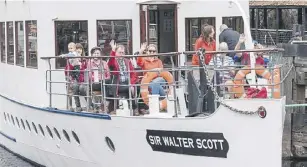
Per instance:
x=70, y=31
x=10, y=42
x=193, y=31
x=19, y=31
x=236, y=23
x=119, y=30
x=2, y=42
x=31, y=41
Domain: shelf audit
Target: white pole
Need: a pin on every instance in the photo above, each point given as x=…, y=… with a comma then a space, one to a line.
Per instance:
x=248, y=42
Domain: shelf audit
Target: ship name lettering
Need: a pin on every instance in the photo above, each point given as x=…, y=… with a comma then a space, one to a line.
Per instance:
x=178, y=142
x=209, y=144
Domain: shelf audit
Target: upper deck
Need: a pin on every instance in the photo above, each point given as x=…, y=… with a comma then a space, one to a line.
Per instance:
x=38, y=28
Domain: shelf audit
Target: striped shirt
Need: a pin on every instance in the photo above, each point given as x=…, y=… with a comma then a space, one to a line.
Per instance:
x=222, y=62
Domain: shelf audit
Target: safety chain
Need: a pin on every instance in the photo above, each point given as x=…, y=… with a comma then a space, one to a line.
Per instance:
x=217, y=97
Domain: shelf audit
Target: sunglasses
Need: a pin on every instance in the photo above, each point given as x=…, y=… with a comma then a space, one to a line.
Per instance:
x=151, y=51
x=121, y=52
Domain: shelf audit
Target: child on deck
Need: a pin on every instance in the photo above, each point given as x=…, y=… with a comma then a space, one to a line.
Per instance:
x=73, y=65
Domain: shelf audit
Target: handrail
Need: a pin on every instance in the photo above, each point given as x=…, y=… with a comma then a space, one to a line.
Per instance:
x=171, y=53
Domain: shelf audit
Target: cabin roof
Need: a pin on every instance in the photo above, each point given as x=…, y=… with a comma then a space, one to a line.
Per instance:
x=278, y=2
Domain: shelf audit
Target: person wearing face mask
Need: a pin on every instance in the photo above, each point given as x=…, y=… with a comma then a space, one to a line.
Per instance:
x=122, y=74
x=205, y=41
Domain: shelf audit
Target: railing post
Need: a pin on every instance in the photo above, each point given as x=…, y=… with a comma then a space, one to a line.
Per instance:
x=50, y=89
x=154, y=109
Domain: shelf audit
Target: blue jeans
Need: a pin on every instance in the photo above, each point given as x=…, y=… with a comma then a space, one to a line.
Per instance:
x=156, y=86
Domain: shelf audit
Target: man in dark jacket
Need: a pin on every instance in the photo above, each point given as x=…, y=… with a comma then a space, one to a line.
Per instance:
x=229, y=36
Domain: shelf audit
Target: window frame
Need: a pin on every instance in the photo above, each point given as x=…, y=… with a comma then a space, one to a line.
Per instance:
x=188, y=44
x=131, y=32
x=22, y=64
x=7, y=43
x=4, y=33
x=56, y=42
x=27, y=55
x=234, y=21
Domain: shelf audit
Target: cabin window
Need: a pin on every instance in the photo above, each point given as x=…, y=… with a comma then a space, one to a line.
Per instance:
x=236, y=23
x=31, y=44
x=288, y=18
x=193, y=30
x=2, y=42
x=19, y=39
x=118, y=30
x=252, y=14
x=10, y=42
x=66, y=32
x=267, y=18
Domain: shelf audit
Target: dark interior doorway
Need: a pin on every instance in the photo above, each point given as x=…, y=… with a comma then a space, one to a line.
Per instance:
x=159, y=26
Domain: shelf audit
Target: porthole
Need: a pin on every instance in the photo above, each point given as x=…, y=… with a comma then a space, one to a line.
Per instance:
x=57, y=133
x=12, y=118
x=42, y=130
x=75, y=136
x=34, y=127
x=110, y=143
x=23, y=125
x=17, y=121
x=66, y=135
x=49, y=131
x=4, y=116
x=28, y=125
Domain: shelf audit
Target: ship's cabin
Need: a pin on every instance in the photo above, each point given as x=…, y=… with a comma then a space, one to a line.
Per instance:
x=32, y=45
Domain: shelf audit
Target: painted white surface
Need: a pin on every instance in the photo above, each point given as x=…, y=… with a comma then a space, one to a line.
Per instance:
x=28, y=85
x=252, y=141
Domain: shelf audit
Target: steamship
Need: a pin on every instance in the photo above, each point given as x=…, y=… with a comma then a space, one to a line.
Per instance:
x=36, y=125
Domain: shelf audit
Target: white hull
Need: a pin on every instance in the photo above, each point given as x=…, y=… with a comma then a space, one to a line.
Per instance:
x=252, y=141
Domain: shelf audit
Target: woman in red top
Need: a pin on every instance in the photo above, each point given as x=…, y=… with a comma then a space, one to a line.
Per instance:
x=205, y=41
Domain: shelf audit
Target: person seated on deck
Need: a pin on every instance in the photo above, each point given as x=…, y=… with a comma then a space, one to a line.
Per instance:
x=152, y=63
x=98, y=74
x=72, y=70
x=205, y=41
x=225, y=62
x=244, y=57
x=121, y=68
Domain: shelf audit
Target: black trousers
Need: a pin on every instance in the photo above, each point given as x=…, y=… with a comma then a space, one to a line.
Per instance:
x=118, y=91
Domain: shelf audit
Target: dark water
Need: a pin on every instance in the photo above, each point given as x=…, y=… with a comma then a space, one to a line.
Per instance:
x=9, y=160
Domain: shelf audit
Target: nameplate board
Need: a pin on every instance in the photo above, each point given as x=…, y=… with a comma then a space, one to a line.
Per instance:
x=188, y=143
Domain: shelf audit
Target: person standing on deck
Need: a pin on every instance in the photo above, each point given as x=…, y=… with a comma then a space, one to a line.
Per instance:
x=205, y=41
x=121, y=69
x=230, y=36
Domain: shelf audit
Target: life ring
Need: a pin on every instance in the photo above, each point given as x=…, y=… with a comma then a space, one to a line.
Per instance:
x=238, y=89
x=149, y=76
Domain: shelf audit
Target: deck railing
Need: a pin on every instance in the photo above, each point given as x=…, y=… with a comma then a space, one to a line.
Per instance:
x=180, y=79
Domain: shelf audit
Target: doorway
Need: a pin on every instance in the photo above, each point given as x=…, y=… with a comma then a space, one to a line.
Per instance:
x=158, y=25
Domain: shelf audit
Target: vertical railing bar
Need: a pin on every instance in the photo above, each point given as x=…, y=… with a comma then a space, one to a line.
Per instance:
x=129, y=84
x=174, y=87
x=103, y=87
x=50, y=89
x=89, y=86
